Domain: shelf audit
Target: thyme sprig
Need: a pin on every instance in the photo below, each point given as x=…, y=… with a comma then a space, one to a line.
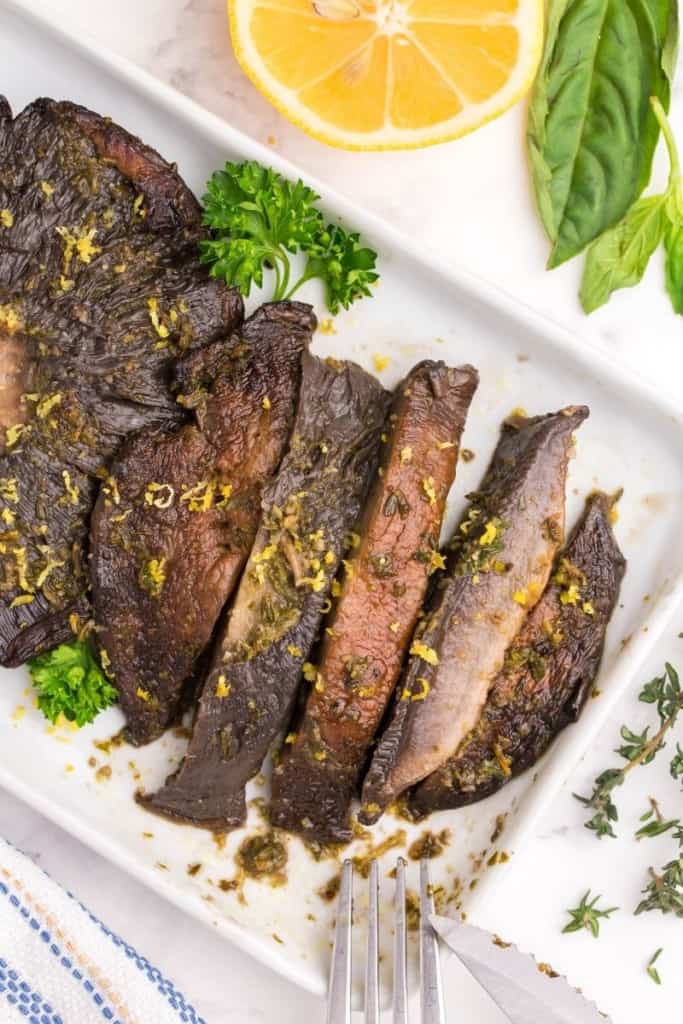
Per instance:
x=664, y=891
x=638, y=748
x=587, y=915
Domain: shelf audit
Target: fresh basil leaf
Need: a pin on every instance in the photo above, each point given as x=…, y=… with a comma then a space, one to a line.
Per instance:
x=673, y=244
x=667, y=26
x=619, y=258
x=536, y=121
x=664, y=19
x=592, y=131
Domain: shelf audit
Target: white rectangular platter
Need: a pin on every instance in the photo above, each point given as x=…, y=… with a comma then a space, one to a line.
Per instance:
x=421, y=309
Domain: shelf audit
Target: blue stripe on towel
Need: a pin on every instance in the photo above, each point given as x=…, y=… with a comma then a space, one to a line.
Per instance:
x=176, y=1000
x=23, y=995
x=186, y=1012
x=61, y=958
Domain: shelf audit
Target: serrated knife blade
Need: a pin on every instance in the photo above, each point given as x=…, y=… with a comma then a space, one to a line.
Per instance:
x=526, y=991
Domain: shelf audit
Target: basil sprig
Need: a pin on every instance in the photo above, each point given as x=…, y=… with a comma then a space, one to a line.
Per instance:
x=592, y=131
x=619, y=258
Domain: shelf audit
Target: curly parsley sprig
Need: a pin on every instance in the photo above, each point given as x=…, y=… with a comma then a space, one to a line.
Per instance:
x=69, y=681
x=258, y=219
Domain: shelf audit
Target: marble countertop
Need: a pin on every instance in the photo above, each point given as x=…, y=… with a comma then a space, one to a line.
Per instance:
x=470, y=202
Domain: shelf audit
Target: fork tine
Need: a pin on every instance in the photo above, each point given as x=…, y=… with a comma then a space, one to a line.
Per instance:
x=372, y=962
x=431, y=992
x=339, y=994
x=400, y=1004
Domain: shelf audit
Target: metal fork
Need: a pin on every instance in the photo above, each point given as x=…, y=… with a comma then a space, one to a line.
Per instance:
x=431, y=994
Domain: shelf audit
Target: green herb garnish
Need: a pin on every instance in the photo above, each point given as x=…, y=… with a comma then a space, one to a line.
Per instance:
x=591, y=154
x=656, y=823
x=664, y=891
x=652, y=970
x=587, y=915
x=69, y=681
x=620, y=257
x=639, y=748
x=676, y=766
x=258, y=219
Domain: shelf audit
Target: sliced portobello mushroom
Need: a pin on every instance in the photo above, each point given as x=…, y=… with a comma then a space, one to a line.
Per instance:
x=173, y=526
x=548, y=672
x=384, y=585
x=101, y=289
x=308, y=511
x=500, y=561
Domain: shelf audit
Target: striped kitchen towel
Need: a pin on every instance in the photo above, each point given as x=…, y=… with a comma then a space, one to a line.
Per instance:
x=60, y=965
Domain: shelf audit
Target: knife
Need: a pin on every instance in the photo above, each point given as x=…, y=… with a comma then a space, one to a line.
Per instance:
x=526, y=991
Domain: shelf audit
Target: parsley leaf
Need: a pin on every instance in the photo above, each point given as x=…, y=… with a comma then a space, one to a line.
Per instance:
x=258, y=219
x=70, y=682
x=343, y=264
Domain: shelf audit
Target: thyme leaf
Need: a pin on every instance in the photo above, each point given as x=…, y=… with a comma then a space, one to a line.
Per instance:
x=676, y=766
x=652, y=970
x=587, y=915
x=657, y=824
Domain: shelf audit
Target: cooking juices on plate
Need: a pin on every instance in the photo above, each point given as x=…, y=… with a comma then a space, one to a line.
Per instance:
x=264, y=526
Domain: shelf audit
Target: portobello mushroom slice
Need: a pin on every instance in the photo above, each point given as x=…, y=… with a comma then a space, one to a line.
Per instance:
x=500, y=561
x=68, y=173
x=308, y=511
x=44, y=512
x=384, y=586
x=548, y=671
x=101, y=290
x=174, y=525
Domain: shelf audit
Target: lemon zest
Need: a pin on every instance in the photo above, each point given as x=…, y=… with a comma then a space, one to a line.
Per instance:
x=162, y=500
x=489, y=535
x=9, y=317
x=429, y=490
x=153, y=307
x=424, y=652
x=12, y=434
x=571, y=595
x=9, y=489
x=47, y=404
x=72, y=491
x=223, y=687
x=436, y=561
